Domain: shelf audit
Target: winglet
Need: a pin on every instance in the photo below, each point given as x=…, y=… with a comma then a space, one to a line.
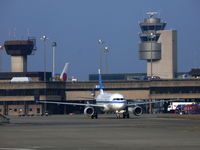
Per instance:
x=100, y=82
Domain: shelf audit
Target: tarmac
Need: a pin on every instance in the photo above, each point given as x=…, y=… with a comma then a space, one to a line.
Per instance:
x=76, y=132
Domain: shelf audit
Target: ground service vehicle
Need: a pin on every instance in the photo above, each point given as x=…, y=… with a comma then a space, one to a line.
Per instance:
x=173, y=105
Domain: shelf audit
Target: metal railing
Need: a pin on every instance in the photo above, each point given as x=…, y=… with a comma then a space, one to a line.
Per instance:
x=4, y=119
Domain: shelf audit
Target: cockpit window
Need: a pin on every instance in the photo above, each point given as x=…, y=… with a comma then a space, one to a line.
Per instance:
x=118, y=99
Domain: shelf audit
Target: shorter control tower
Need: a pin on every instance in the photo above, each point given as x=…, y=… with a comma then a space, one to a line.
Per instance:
x=19, y=49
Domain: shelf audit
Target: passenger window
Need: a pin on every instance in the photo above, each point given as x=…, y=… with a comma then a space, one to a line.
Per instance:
x=118, y=99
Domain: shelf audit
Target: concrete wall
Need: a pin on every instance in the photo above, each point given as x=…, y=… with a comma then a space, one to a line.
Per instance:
x=132, y=90
x=18, y=63
x=87, y=95
x=16, y=110
x=16, y=98
x=166, y=67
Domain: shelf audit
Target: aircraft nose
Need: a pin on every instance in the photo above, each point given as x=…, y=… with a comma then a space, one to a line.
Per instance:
x=121, y=106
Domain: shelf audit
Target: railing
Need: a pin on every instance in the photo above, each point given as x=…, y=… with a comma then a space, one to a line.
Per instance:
x=4, y=119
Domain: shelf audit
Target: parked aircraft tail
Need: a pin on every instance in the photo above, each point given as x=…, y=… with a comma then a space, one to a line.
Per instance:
x=63, y=76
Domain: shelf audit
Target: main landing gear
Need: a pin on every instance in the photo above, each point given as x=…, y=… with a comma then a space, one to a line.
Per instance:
x=125, y=115
x=94, y=116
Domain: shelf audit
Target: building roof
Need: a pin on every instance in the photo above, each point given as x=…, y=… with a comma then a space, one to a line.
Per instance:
x=10, y=75
x=195, y=72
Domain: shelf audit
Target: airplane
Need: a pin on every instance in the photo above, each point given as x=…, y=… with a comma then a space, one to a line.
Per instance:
x=107, y=102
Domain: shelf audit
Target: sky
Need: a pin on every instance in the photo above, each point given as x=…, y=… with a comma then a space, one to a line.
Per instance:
x=77, y=25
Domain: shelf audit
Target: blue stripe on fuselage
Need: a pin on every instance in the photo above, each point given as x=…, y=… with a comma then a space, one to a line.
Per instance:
x=111, y=102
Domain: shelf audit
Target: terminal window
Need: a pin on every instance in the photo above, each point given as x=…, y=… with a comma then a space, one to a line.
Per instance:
x=38, y=110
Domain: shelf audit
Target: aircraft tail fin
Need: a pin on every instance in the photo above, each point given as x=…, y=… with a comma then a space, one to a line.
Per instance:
x=100, y=83
x=63, y=75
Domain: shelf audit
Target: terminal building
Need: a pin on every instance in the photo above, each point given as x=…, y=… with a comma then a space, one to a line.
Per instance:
x=158, y=47
x=20, y=89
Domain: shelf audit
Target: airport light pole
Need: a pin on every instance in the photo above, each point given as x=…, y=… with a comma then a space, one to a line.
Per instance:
x=152, y=36
x=44, y=38
x=106, y=51
x=101, y=42
x=1, y=49
x=54, y=44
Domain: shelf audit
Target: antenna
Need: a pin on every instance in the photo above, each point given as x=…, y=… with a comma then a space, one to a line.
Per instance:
x=1, y=48
x=9, y=34
x=14, y=33
x=151, y=13
x=28, y=32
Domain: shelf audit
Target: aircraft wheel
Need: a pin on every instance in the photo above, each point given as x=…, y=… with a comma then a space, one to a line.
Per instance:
x=95, y=116
x=126, y=115
x=118, y=116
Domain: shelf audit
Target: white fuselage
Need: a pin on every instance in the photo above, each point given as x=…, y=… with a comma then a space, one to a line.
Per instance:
x=111, y=102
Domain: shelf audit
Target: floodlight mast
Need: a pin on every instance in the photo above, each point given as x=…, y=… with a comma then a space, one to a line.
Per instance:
x=106, y=51
x=101, y=42
x=1, y=48
x=53, y=44
x=151, y=13
x=44, y=38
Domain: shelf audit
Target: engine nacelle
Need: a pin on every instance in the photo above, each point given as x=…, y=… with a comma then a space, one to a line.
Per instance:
x=89, y=111
x=137, y=110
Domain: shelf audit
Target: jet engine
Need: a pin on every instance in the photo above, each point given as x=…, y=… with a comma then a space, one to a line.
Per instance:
x=89, y=111
x=137, y=110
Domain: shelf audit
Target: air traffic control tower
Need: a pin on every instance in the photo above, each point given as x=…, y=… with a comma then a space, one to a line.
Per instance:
x=158, y=47
x=19, y=49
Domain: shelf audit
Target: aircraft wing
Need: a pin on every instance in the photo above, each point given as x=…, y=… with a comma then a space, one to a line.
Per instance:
x=152, y=102
x=87, y=98
x=135, y=104
x=74, y=104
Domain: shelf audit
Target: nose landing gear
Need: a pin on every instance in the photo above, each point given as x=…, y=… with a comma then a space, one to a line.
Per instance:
x=124, y=113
